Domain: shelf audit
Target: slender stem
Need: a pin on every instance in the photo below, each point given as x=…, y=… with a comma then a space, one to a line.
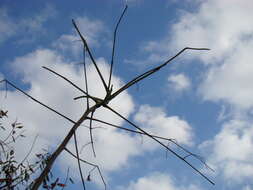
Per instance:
x=60, y=148
x=78, y=161
x=91, y=136
x=90, y=54
x=126, y=129
x=173, y=152
x=114, y=42
x=70, y=82
x=89, y=163
x=37, y=101
x=151, y=71
x=85, y=77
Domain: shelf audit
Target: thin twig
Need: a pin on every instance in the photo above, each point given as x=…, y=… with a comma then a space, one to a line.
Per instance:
x=91, y=136
x=84, y=146
x=70, y=82
x=113, y=47
x=90, y=54
x=78, y=161
x=85, y=77
x=151, y=71
x=173, y=152
x=126, y=129
x=37, y=101
x=29, y=152
x=155, y=136
x=89, y=163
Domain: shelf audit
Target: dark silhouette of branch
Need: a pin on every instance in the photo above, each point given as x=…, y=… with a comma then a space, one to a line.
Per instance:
x=37, y=101
x=113, y=47
x=85, y=77
x=90, y=54
x=103, y=102
x=126, y=129
x=60, y=148
x=151, y=71
x=91, y=136
x=29, y=152
x=158, y=137
x=89, y=163
x=78, y=161
x=173, y=152
x=70, y=82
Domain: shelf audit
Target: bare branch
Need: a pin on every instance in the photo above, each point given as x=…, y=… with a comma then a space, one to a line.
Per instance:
x=126, y=129
x=90, y=54
x=85, y=77
x=173, y=152
x=91, y=137
x=113, y=47
x=60, y=148
x=78, y=161
x=151, y=71
x=37, y=101
x=29, y=152
x=70, y=82
x=89, y=163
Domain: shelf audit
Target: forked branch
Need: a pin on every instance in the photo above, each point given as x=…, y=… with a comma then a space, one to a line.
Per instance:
x=159, y=142
x=114, y=42
x=104, y=102
x=90, y=55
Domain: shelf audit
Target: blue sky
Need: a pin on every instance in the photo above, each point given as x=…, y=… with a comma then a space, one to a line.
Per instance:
x=204, y=99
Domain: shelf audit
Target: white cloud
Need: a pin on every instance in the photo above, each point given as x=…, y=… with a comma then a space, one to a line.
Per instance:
x=231, y=81
x=157, y=181
x=225, y=27
x=235, y=164
x=217, y=25
x=155, y=121
x=10, y=26
x=59, y=95
x=94, y=32
x=179, y=82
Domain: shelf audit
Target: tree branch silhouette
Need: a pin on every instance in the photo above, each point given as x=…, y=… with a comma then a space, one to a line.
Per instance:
x=98, y=102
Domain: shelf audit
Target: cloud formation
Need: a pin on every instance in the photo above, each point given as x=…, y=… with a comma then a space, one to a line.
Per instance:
x=10, y=26
x=159, y=181
x=225, y=27
x=59, y=95
x=94, y=31
x=179, y=82
x=155, y=121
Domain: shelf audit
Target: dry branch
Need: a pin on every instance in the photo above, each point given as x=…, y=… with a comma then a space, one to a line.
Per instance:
x=104, y=102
